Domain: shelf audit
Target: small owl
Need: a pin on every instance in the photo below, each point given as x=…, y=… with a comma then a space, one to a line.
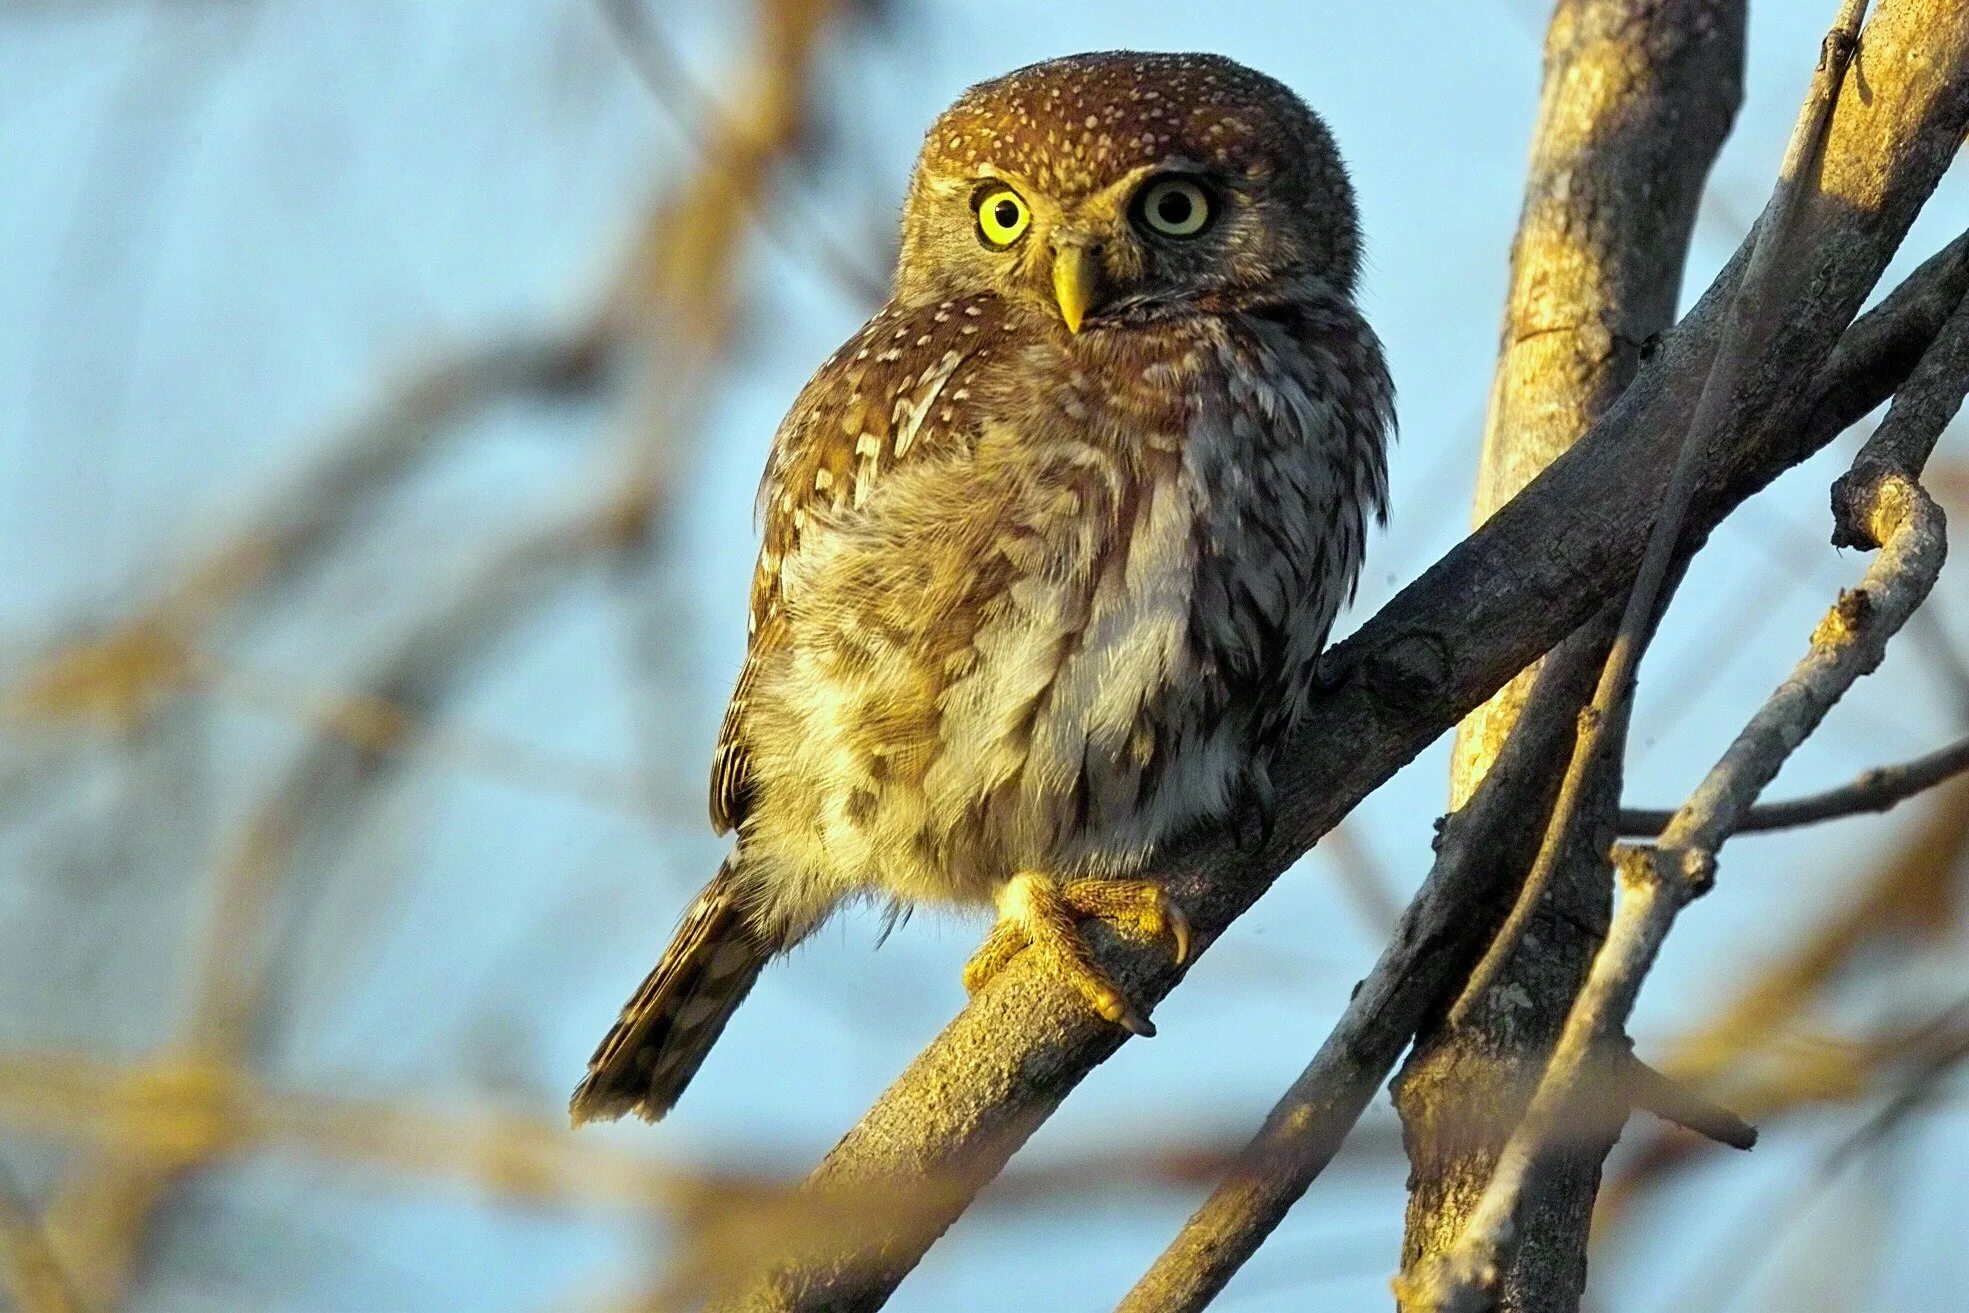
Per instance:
x=1051, y=545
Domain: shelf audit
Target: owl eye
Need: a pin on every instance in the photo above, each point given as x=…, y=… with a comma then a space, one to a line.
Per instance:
x=1003, y=216
x=1174, y=207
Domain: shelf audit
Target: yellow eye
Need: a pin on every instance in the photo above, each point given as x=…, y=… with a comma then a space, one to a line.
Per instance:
x=1003, y=216
x=1175, y=207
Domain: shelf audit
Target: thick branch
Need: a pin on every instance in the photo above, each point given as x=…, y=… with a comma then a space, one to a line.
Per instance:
x=1770, y=283
x=1639, y=96
x=1533, y=573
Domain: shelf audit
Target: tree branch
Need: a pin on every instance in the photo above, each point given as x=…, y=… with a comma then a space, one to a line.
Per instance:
x=668, y=309
x=1771, y=282
x=707, y=134
x=1747, y=1052
x=1657, y=883
x=1639, y=97
x=115, y=677
x=1906, y=438
x=1880, y=502
x=31, y=1272
x=1672, y=1101
x=1440, y=935
x=1878, y=790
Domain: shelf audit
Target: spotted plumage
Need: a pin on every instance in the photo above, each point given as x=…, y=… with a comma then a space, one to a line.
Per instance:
x=1051, y=544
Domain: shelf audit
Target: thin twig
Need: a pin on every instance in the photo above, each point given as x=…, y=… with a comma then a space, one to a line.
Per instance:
x=1757, y=1050
x=1877, y=790
x=430, y=659
x=1948, y=1049
x=660, y=72
x=1770, y=283
x=668, y=308
x=170, y=1111
x=1914, y=423
x=113, y=678
x=114, y=675
x=1907, y=905
x=1672, y=1101
x=372, y=724
x=1790, y=1080
x=1758, y=1229
x=113, y=1194
x=1362, y=879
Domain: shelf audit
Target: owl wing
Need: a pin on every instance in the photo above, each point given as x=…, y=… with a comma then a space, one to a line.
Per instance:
x=888, y=396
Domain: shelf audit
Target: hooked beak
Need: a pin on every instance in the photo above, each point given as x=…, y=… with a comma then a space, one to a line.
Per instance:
x=1077, y=281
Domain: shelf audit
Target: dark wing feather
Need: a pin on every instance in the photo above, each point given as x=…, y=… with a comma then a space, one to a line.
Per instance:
x=882, y=398
x=730, y=765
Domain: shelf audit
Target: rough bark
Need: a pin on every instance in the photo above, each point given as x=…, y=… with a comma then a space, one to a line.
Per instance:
x=1638, y=97
x=1525, y=579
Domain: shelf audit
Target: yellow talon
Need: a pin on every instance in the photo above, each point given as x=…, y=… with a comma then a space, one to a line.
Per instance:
x=1036, y=911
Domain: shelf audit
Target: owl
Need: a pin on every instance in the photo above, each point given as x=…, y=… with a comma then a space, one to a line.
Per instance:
x=1051, y=545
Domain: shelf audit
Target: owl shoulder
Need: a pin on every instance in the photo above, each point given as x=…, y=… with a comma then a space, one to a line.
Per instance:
x=898, y=389
x=901, y=387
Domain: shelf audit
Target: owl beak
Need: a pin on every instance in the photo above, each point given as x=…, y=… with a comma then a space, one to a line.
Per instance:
x=1077, y=281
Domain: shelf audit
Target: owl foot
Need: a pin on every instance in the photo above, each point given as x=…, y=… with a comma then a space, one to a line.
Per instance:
x=1042, y=913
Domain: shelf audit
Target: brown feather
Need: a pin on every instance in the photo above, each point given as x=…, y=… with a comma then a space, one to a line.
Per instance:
x=670, y=1023
x=857, y=417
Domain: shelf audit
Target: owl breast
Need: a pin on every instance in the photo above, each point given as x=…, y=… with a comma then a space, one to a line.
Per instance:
x=1069, y=622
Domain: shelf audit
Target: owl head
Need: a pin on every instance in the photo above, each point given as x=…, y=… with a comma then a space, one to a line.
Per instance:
x=1102, y=182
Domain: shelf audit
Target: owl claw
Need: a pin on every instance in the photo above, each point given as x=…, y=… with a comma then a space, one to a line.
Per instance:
x=1169, y=923
x=1041, y=913
x=1328, y=677
x=1005, y=942
x=1257, y=817
x=1140, y=906
x=1131, y=1021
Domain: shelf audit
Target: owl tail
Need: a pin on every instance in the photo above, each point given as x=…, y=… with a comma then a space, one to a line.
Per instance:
x=670, y=1024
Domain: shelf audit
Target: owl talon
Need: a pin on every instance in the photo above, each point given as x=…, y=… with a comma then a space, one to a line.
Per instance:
x=1006, y=941
x=1140, y=906
x=1041, y=913
x=1123, y=1014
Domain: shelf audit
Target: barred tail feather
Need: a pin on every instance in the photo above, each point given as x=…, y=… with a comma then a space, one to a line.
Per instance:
x=670, y=1024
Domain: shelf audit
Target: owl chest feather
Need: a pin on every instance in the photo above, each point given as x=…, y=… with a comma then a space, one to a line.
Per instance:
x=1058, y=636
